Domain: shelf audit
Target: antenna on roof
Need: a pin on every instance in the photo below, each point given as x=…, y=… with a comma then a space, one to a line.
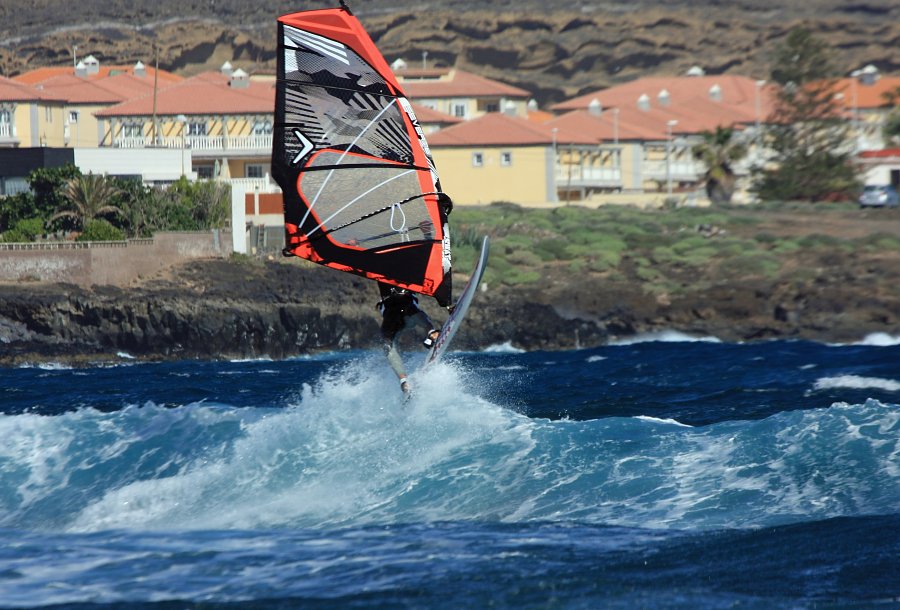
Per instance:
x=346, y=8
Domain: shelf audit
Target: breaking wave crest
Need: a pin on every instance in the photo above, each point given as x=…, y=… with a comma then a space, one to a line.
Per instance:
x=345, y=452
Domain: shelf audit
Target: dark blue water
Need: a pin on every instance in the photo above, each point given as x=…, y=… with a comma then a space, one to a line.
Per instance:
x=659, y=474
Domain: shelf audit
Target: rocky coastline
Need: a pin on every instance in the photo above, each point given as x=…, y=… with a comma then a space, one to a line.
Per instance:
x=214, y=309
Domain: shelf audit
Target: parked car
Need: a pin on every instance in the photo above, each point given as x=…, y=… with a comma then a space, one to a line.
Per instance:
x=879, y=196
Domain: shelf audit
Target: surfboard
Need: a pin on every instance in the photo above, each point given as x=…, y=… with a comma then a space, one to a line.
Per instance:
x=448, y=330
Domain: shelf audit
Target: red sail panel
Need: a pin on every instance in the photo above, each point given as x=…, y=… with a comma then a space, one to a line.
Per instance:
x=360, y=187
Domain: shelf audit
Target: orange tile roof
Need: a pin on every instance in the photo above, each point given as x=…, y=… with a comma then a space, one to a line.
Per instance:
x=13, y=91
x=735, y=91
x=204, y=94
x=455, y=83
x=689, y=103
x=885, y=153
x=539, y=116
x=429, y=115
x=497, y=129
x=604, y=127
x=867, y=96
x=38, y=75
x=77, y=90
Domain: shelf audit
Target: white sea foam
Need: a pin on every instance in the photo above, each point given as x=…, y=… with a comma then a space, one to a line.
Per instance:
x=880, y=340
x=663, y=420
x=595, y=358
x=666, y=336
x=857, y=382
x=46, y=366
x=503, y=348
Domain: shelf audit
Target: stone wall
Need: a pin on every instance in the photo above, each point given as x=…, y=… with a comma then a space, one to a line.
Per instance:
x=112, y=263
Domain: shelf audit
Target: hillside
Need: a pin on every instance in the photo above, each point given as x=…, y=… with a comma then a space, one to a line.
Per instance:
x=556, y=279
x=554, y=49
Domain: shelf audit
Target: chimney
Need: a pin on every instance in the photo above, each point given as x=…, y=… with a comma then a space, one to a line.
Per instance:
x=239, y=79
x=643, y=102
x=81, y=70
x=227, y=69
x=92, y=65
x=715, y=93
x=696, y=71
x=140, y=70
x=509, y=108
x=595, y=107
x=869, y=75
x=663, y=98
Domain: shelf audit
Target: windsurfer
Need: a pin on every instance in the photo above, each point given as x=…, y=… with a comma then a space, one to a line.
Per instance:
x=400, y=311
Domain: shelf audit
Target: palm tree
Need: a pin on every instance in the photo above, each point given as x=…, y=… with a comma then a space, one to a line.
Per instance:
x=719, y=151
x=89, y=196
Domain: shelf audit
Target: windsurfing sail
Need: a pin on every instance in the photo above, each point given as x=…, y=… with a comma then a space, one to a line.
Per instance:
x=361, y=192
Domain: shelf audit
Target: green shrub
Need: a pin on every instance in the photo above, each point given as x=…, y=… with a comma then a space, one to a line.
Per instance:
x=14, y=236
x=647, y=274
x=883, y=241
x=524, y=258
x=25, y=230
x=751, y=265
x=100, y=230
x=553, y=249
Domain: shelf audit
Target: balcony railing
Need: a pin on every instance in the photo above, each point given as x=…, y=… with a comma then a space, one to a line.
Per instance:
x=7, y=130
x=199, y=143
x=263, y=185
x=578, y=175
x=677, y=169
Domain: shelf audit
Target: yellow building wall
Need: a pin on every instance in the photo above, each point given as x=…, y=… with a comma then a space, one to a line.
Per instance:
x=83, y=132
x=51, y=125
x=526, y=180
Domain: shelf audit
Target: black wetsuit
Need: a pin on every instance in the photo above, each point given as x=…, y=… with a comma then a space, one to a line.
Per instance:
x=399, y=310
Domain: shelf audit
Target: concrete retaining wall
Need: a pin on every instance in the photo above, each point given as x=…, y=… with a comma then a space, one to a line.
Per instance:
x=116, y=263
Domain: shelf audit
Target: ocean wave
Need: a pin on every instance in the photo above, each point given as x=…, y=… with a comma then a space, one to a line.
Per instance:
x=503, y=348
x=857, y=382
x=666, y=336
x=880, y=340
x=344, y=451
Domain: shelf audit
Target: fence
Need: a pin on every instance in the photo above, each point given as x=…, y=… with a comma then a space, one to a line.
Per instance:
x=117, y=263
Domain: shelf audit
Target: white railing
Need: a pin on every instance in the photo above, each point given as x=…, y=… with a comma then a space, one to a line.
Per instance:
x=604, y=175
x=200, y=143
x=263, y=185
x=7, y=130
x=262, y=142
x=685, y=170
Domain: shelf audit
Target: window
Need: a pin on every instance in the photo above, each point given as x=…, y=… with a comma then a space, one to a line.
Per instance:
x=506, y=159
x=5, y=117
x=477, y=159
x=253, y=171
x=492, y=107
x=458, y=110
x=133, y=130
x=197, y=129
x=48, y=114
x=204, y=172
x=73, y=116
x=262, y=128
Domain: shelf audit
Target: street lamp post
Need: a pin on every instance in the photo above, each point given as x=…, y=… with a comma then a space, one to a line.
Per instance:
x=757, y=137
x=183, y=120
x=615, y=126
x=669, y=125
